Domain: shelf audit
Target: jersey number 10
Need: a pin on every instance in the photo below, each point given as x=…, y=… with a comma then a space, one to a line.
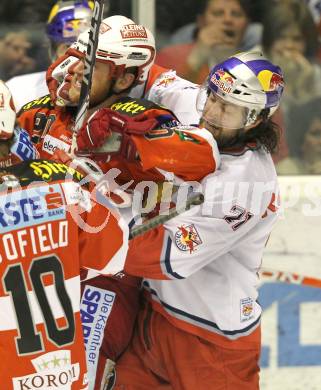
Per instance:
x=29, y=340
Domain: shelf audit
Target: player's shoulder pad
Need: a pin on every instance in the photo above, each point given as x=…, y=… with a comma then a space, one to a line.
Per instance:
x=42, y=102
x=130, y=106
x=41, y=170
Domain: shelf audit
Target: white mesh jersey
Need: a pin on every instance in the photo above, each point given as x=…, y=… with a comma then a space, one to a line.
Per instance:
x=201, y=268
x=171, y=91
x=27, y=87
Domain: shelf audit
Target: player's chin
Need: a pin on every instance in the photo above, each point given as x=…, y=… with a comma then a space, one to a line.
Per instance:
x=74, y=95
x=211, y=127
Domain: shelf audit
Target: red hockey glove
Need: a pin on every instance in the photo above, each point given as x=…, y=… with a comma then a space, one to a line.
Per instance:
x=111, y=131
x=98, y=128
x=56, y=74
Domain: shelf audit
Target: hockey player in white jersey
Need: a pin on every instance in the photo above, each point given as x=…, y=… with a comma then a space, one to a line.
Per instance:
x=66, y=20
x=200, y=326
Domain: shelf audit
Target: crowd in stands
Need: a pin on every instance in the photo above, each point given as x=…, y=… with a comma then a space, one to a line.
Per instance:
x=194, y=36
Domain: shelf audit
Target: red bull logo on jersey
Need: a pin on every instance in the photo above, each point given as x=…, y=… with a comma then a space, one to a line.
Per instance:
x=246, y=309
x=223, y=80
x=187, y=238
x=165, y=81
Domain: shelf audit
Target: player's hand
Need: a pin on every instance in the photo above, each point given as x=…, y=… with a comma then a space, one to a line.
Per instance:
x=113, y=131
x=216, y=34
x=98, y=128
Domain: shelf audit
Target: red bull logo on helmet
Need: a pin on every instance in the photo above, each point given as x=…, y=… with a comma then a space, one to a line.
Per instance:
x=223, y=80
x=276, y=82
x=73, y=28
x=270, y=81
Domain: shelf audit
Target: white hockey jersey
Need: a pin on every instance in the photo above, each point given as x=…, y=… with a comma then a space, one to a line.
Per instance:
x=27, y=87
x=201, y=267
x=164, y=87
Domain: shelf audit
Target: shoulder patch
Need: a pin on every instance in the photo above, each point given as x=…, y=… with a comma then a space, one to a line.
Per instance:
x=31, y=171
x=166, y=80
x=44, y=101
x=131, y=107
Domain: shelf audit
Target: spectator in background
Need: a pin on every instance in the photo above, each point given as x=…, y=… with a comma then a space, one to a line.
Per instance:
x=304, y=140
x=221, y=30
x=66, y=21
x=290, y=39
x=14, y=56
x=24, y=11
x=252, y=36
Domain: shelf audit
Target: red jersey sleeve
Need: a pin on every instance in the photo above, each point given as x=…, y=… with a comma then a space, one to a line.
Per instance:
x=103, y=239
x=188, y=152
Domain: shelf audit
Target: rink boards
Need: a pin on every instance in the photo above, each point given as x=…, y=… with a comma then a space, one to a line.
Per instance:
x=291, y=322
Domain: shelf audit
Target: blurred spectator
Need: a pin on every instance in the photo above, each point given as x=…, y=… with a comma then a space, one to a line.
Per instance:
x=290, y=40
x=304, y=140
x=24, y=11
x=252, y=36
x=315, y=8
x=220, y=33
x=66, y=20
x=187, y=33
x=14, y=56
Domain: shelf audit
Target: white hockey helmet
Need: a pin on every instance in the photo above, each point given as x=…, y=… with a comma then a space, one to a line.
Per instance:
x=123, y=44
x=7, y=112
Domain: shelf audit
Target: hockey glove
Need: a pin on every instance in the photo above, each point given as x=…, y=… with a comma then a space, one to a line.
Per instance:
x=110, y=133
x=56, y=74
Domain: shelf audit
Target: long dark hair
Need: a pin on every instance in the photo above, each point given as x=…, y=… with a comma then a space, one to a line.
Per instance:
x=266, y=134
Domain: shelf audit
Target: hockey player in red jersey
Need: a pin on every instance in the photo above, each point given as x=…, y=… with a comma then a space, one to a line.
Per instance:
x=45, y=239
x=200, y=324
x=151, y=149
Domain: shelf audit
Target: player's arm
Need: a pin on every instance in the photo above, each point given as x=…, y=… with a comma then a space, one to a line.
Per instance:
x=103, y=234
x=182, y=247
x=194, y=239
x=188, y=153
x=178, y=94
